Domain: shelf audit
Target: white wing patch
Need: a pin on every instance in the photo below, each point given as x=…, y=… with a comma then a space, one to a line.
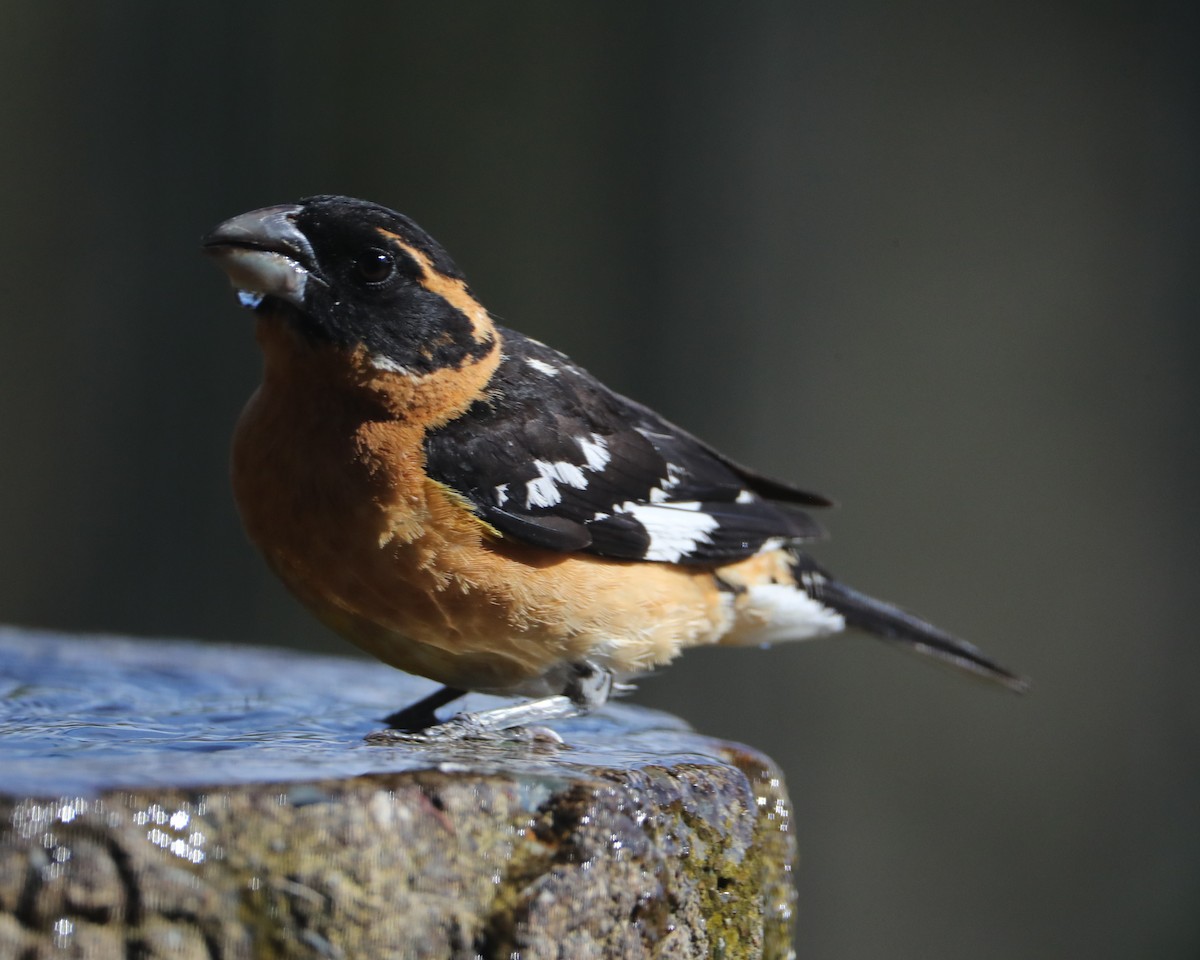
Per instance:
x=674, y=529
x=542, y=491
x=783, y=612
x=595, y=452
x=661, y=494
x=563, y=472
x=772, y=543
x=502, y=494
x=541, y=366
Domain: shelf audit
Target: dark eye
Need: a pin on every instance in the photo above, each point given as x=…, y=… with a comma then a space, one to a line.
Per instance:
x=374, y=266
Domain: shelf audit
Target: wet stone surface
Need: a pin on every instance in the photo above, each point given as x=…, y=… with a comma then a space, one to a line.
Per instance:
x=166, y=799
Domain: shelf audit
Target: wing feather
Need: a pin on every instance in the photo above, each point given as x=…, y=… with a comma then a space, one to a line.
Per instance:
x=555, y=459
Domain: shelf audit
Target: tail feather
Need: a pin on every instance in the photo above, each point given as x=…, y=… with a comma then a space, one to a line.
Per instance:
x=891, y=623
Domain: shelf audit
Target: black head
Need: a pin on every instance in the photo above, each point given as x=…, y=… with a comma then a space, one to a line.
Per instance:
x=350, y=273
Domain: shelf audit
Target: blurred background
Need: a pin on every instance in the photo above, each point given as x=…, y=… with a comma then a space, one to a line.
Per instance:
x=936, y=260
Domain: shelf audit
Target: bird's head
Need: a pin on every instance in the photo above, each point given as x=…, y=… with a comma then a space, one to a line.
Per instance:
x=355, y=275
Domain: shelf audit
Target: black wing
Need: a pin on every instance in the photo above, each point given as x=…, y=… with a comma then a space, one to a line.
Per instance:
x=554, y=458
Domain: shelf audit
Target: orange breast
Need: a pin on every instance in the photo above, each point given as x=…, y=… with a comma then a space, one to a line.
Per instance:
x=328, y=476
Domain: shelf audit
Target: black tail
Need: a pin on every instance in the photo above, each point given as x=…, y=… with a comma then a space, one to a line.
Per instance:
x=892, y=623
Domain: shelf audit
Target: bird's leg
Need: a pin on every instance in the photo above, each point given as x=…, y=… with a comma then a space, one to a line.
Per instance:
x=587, y=689
x=420, y=715
x=589, y=686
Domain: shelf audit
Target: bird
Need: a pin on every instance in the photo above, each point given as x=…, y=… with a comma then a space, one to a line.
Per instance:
x=470, y=505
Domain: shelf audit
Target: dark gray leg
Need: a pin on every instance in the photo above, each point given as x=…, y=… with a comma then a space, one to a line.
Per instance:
x=419, y=715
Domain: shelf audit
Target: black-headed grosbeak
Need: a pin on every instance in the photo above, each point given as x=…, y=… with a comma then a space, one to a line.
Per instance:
x=469, y=505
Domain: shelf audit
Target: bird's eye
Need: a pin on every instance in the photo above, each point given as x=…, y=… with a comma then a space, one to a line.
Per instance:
x=374, y=266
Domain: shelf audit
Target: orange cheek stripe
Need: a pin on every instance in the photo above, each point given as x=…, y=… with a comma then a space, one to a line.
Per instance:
x=453, y=291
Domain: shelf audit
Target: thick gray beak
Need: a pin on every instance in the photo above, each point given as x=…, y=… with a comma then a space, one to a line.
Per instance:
x=264, y=254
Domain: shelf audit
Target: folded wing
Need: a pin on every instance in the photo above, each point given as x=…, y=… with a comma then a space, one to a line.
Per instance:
x=555, y=459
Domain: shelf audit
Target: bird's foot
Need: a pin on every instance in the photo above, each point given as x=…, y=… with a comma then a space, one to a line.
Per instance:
x=516, y=723
x=587, y=688
x=465, y=727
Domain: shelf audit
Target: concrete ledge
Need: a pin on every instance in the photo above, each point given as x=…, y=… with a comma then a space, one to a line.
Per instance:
x=196, y=831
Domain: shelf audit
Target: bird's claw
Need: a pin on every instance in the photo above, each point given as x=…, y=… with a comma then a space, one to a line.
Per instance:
x=466, y=726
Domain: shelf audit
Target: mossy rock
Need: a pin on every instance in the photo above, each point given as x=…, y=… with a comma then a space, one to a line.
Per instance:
x=178, y=827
